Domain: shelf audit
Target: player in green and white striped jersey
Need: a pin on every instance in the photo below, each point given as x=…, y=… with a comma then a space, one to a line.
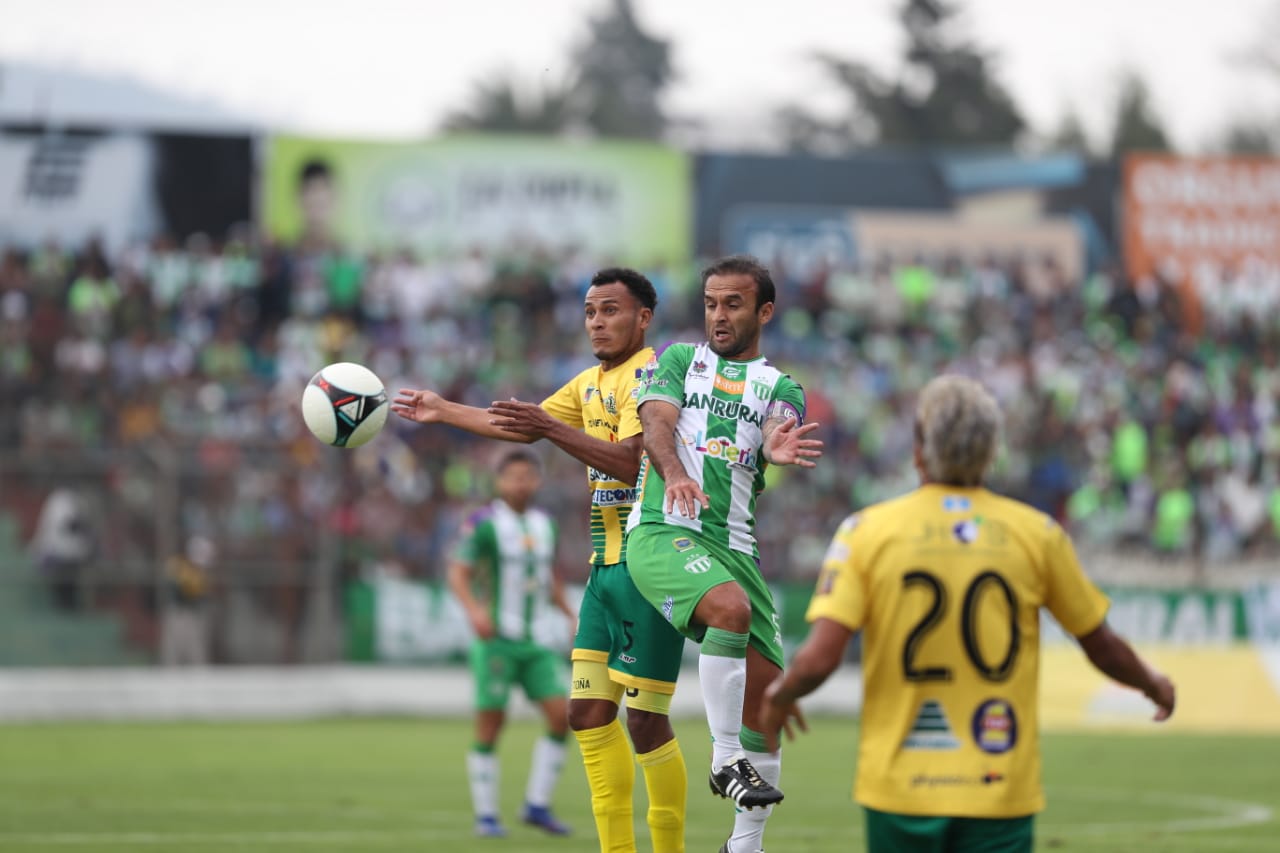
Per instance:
x=714, y=414
x=503, y=575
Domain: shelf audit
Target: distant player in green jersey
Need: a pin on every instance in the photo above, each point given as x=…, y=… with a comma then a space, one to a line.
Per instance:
x=946, y=583
x=503, y=575
x=622, y=644
x=714, y=414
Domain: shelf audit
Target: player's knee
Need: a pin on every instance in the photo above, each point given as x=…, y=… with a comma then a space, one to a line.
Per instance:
x=725, y=607
x=590, y=713
x=648, y=730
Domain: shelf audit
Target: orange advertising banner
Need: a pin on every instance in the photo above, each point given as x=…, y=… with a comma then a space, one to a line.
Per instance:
x=1196, y=217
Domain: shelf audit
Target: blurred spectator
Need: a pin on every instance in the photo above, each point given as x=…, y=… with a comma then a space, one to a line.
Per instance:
x=63, y=545
x=184, y=620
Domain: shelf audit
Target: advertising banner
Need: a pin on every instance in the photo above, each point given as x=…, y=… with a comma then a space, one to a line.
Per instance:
x=121, y=186
x=1201, y=220
x=628, y=201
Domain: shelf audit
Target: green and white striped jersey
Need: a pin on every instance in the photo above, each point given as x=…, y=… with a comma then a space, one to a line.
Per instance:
x=719, y=437
x=511, y=556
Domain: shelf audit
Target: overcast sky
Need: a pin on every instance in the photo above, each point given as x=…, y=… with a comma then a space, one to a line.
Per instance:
x=393, y=68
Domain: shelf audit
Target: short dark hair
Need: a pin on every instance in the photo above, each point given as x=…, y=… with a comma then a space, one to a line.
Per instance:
x=515, y=455
x=745, y=265
x=641, y=288
x=314, y=168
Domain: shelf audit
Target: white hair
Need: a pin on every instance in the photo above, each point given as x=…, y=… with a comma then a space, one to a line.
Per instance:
x=957, y=429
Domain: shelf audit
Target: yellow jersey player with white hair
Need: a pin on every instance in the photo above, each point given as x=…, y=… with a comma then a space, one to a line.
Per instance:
x=946, y=583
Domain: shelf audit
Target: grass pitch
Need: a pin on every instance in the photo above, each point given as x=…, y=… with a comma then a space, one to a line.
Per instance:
x=400, y=784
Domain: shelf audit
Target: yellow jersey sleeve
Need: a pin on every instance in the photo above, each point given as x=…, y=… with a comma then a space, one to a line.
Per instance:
x=840, y=594
x=1070, y=596
x=565, y=405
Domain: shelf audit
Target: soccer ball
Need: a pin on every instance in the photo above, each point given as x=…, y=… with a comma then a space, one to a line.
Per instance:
x=344, y=404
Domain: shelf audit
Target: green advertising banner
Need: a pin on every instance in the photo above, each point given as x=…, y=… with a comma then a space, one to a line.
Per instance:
x=628, y=202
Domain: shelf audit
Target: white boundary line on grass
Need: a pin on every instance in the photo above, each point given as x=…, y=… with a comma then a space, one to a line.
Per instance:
x=1223, y=814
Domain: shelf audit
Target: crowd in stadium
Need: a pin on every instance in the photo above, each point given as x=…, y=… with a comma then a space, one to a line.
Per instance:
x=1137, y=418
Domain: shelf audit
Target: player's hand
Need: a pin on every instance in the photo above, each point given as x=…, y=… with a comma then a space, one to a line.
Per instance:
x=422, y=406
x=527, y=419
x=685, y=497
x=786, y=445
x=482, y=624
x=1164, y=695
x=776, y=716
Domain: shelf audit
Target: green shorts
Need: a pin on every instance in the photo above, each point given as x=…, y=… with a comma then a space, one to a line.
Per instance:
x=673, y=567
x=898, y=833
x=498, y=663
x=617, y=627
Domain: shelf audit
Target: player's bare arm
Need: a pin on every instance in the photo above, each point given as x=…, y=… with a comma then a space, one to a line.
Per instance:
x=785, y=443
x=812, y=665
x=658, y=419
x=1115, y=658
x=459, y=577
x=428, y=407
x=530, y=421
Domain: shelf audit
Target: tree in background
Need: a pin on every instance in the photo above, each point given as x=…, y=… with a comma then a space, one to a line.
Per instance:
x=1259, y=134
x=622, y=72
x=945, y=94
x=499, y=106
x=614, y=90
x=1136, y=126
x=1070, y=134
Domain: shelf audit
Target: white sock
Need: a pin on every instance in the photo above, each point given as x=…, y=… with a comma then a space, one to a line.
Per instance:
x=548, y=758
x=723, y=680
x=748, y=826
x=482, y=771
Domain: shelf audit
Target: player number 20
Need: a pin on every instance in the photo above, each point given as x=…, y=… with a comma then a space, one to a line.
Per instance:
x=913, y=671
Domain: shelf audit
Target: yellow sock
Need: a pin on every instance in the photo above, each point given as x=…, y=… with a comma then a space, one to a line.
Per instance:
x=606, y=756
x=667, y=781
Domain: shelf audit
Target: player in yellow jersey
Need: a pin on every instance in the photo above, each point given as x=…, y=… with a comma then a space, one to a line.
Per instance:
x=622, y=644
x=946, y=583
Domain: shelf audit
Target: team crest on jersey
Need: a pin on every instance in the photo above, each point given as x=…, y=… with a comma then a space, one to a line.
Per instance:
x=761, y=388
x=683, y=543
x=611, y=404
x=966, y=531
x=995, y=726
x=700, y=564
x=931, y=729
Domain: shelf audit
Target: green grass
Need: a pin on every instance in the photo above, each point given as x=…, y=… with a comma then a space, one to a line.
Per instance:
x=357, y=784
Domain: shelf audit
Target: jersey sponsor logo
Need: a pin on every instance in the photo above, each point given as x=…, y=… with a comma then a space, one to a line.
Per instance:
x=668, y=607
x=682, y=543
x=626, y=658
x=727, y=409
x=632, y=692
x=965, y=532
x=613, y=497
x=698, y=565
x=698, y=367
x=588, y=393
x=597, y=423
x=995, y=726
x=931, y=730
x=729, y=386
x=955, y=503
x=730, y=371
x=582, y=683
x=723, y=449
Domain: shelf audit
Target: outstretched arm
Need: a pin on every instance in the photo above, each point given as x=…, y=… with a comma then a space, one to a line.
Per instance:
x=618, y=459
x=1115, y=658
x=658, y=418
x=785, y=443
x=812, y=665
x=428, y=407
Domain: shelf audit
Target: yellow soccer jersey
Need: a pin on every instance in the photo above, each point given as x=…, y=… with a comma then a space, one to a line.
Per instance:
x=946, y=585
x=603, y=404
